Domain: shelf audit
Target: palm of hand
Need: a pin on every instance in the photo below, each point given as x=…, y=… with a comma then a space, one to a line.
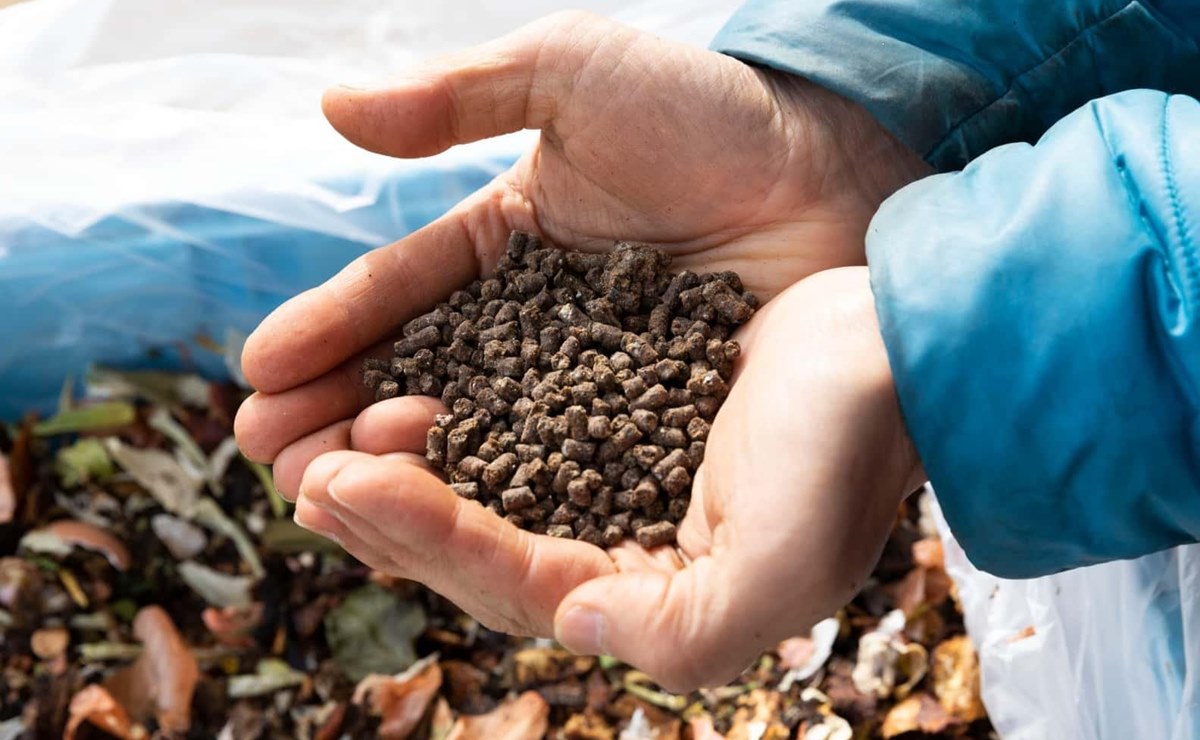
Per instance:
x=760, y=183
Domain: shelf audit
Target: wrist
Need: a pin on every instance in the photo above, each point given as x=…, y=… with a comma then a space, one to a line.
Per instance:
x=865, y=366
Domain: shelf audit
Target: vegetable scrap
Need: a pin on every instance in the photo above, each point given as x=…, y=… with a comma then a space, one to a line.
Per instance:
x=152, y=586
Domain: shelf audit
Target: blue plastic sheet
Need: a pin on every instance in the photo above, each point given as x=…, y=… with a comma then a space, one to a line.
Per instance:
x=157, y=285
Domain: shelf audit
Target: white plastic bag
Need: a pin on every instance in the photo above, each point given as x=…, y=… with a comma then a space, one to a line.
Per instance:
x=1108, y=652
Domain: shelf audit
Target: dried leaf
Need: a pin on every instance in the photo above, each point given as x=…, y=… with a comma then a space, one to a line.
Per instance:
x=222, y=455
x=172, y=390
x=635, y=684
x=91, y=418
x=22, y=470
x=526, y=717
x=162, y=420
x=758, y=718
x=591, y=726
x=163, y=477
x=12, y=728
x=161, y=681
x=215, y=587
x=98, y=652
x=879, y=651
x=270, y=675
x=86, y=460
x=44, y=542
x=956, y=679
x=442, y=720
x=231, y=625
x=372, y=631
x=702, y=728
x=831, y=727
x=263, y=473
x=20, y=589
x=184, y=539
x=917, y=713
x=95, y=706
x=400, y=701
x=928, y=553
x=1023, y=634
x=8, y=494
x=639, y=728
x=927, y=585
x=804, y=656
x=74, y=590
x=60, y=537
x=911, y=664
x=539, y=665
x=50, y=642
x=208, y=513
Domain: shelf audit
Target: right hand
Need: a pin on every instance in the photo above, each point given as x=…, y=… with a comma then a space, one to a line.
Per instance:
x=725, y=166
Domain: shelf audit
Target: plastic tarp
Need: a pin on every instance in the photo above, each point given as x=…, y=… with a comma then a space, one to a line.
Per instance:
x=166, y=177
x=1098, y=653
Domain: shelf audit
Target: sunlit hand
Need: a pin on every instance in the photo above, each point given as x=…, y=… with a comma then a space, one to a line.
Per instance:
x=807, y=461
x=725, y=166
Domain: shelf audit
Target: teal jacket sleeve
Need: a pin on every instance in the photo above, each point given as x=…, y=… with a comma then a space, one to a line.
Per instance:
x=1041, y=311
x=952, y=79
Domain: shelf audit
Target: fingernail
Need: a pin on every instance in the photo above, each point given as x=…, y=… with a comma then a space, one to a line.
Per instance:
x=297, y=517
x=331, y=489
x=581, y=630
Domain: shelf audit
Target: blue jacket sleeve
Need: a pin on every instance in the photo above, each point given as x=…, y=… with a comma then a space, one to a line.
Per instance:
x=952, y=79
x=1040, y=311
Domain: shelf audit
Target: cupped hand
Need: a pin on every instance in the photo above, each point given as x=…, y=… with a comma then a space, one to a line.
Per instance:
x=807, y=462
x=725, y=166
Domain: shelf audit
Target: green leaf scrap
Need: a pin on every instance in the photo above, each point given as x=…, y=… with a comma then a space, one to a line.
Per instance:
x=372, y=631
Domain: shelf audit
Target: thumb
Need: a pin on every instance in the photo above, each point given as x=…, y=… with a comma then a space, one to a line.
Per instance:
x=515, y=82
x=685, y=629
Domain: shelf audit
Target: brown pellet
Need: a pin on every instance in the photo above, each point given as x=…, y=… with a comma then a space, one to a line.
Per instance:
x=679, y=416
x=516, y=499
x=599, y=427
x=654, y=535
x=677, y=481
x=578, y=451
x=499, y=470
x=669, y=437
x=430, y=336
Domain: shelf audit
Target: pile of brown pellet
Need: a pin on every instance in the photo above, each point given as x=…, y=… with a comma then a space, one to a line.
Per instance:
x=581, y=386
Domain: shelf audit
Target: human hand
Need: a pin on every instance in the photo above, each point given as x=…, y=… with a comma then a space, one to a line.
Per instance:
x=724, y=166
x=807, y=462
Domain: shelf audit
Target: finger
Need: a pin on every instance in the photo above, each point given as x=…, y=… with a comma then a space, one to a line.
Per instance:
x=268, y=422
x=395, y=425
x=454, y=546
x=695, y=531
x=372, y=297
x=290, y=464
x=629, y=556
x=685, y=629
x=322, y=522
x=515, y=82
